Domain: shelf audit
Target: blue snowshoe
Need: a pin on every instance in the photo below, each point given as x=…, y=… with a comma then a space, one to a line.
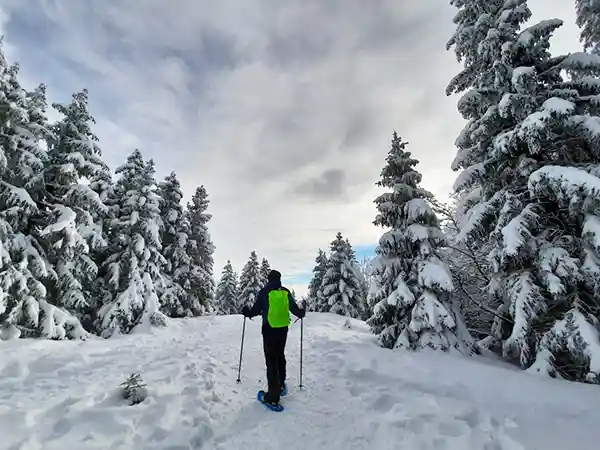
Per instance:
x=273, y=407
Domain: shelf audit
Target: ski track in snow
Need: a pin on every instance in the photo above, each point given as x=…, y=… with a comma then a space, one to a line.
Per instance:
x=57, y=395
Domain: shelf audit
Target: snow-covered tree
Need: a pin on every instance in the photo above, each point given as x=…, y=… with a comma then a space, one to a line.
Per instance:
x=132, y=273
x=250, y=281
x=201, y=283
x=227, y=294
x=483, y=27
x=314, y=297
x=474, y=19
x=175, y=299
x=26, y=309
x=519, y=156
x=304, y=302
x=341, y=287
x=265, y=268
x=365, y=270
x=566, y=273
x=73, y=210
x=588, y=18
x=410, y=282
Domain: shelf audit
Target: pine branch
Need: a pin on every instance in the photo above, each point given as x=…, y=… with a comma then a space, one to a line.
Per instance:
x=481, y=305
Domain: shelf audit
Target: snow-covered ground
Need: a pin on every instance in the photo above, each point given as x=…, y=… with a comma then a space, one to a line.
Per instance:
x=65, y=395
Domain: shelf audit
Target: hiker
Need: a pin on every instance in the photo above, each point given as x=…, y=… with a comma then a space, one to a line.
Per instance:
x=274, y=302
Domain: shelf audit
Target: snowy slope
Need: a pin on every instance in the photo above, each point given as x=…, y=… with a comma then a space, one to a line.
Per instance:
x=64, y=395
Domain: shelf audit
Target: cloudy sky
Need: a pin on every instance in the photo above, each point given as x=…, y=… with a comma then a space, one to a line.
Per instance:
x=282, y=109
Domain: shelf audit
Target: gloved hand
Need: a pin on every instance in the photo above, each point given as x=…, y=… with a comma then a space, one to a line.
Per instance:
x=246, y=311
x=302, y=313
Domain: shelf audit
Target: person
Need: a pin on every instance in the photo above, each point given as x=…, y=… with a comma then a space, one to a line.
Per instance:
x=274, y=302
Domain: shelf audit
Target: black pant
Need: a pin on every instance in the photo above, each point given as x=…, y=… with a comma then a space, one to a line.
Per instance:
x=274, y=340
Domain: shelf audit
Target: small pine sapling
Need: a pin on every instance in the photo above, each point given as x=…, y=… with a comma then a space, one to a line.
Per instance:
x=134, y=389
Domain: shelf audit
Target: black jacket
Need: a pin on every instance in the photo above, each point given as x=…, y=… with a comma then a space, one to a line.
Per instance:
x=261, y=305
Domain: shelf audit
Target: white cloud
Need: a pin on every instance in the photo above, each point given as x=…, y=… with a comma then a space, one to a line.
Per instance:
x=258, y=99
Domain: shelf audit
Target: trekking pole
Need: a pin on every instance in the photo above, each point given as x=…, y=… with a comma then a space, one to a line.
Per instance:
x=241, y=351
x=301, y=339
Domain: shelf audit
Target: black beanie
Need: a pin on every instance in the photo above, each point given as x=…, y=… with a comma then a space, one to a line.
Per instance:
x=274, y=275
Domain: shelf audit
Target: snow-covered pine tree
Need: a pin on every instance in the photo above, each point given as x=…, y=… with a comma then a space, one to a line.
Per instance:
x=315, y=299
x=364, y=291
x=473, y=20
x=250, y=281
x=304, y=302
x=175, y=299
x=531, y=196
x=25, y=308
x=567, y=273
x=351, y=252
x=265, y=268
x=341, y=287
x=133, y=271
x=201, y=283
x=73, y=210
x=227, y=294
x=483, y=30
x=410, y=282
x=588, y=18
x=364, y=268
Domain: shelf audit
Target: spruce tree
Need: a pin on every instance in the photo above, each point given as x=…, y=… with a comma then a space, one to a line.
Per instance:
x=411, y=283
x=530, y=193
x=250, y=281
x=26, y=309
x=201, y=283
x=265, y=268
x=315, y=299
x=73, y=210
x=588, y=18
x=175, y=300
x=341, y=287
x=133, y=271
x=365, y=272
x=474, y=19
x=227, y=294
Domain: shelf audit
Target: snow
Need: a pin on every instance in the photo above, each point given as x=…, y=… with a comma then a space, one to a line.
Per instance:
x=527, y=304
x=65, y=220
x=589, y=124
x=566, y=182
x=505, y=105
x=555, y=266
x=520, y=72
x=581, y=60
x=583, y=330
x=468, y=176
x=416, y=209
x=516, y=233
x=434, y=274
x=417, y=232
x=530, y=129
x=402, y=293
x=57, y=395
x=590, y=336
x=558, y=105
x=18, y=196
x=591, y=231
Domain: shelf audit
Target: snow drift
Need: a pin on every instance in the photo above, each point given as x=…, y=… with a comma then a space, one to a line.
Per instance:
x=57, y=395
